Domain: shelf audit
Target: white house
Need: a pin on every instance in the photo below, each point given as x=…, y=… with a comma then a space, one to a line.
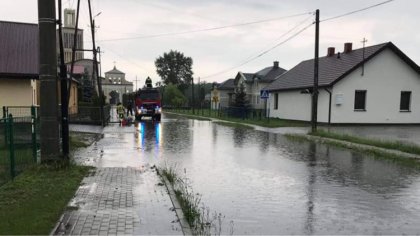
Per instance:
x=222, y=94
x=255, y=82
x=375, y=85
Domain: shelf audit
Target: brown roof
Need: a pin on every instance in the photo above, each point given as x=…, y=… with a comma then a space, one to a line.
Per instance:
x=19, y=56
x=332, y=69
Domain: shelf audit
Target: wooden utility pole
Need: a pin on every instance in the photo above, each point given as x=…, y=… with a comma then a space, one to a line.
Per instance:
x=314, y=119
x=63, y=86
x=50, y=147
x=73, y=49
x=95, y=65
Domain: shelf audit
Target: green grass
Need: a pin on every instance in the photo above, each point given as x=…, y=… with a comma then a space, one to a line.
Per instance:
x=264, y=122
x=370, y=151
x=32, y=203
x=394, y=145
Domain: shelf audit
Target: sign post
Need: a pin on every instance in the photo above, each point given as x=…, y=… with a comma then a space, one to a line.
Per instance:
x=264, y=94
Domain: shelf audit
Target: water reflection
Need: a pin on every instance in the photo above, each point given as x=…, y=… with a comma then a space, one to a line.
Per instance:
x=239, y=136
x=310, y=189
x=148, y=135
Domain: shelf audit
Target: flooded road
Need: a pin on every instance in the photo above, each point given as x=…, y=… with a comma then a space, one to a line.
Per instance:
x=267, y=184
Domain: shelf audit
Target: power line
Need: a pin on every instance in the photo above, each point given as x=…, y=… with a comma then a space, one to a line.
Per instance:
x=359, y=10
x=129, y=61
x=261, y=53
x=205, y=29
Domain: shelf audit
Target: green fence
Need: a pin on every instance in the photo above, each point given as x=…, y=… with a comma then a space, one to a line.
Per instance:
x=18, y=142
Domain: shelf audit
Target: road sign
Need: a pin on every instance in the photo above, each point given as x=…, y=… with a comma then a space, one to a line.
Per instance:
x=264, y=94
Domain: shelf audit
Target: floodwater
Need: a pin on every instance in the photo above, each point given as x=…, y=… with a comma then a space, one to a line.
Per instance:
x=267, y=184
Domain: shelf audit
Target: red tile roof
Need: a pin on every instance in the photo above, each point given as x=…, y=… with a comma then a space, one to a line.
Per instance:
x=19, y=55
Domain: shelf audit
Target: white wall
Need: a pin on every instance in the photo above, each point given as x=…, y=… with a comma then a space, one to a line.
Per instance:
x=385, y=77
x=292, y=105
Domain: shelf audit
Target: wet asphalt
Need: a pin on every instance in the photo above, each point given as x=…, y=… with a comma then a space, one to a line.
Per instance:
x=261, y=182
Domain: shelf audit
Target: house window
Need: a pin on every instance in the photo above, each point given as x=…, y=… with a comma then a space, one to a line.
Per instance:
x=276, y=101
x=360, y=100
x=405, y=101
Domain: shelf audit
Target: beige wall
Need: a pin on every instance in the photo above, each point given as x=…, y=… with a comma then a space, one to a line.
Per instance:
x=17, y=92
x=73, y=103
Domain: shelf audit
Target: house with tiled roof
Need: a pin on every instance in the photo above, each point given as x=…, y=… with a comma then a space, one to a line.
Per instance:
x=222, y=94
x=19, y=66
x=255, y=82
x=373, y=85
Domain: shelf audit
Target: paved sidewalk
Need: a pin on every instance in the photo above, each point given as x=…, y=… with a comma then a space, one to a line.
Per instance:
x=122, y=197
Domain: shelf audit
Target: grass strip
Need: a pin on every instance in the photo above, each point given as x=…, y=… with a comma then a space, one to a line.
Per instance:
x=32, y=203
x=233, y=125
x=394, y=145
x=370, y=151
x=264, y=122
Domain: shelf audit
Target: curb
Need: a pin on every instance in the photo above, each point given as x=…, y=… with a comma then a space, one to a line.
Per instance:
x=186, y=229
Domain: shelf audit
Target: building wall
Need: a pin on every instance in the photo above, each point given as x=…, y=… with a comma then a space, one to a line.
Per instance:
x=17, y=92
x=384, y=78
x=120, y=88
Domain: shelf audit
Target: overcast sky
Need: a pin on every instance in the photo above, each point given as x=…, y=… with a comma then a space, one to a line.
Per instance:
x=217, y=50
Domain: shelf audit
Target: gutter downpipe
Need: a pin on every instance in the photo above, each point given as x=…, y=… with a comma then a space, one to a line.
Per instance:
x=329, y=106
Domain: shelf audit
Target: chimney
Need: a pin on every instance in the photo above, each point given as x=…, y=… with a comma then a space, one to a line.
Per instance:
x=348, y=47
x=330, y=52
x=276, y=64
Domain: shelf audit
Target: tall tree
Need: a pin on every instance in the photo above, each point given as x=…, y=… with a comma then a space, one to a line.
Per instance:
x=172, y=96
x=241, y=97
x=175, y=68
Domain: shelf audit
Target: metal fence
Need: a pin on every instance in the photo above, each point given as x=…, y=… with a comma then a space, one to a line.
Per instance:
x=242, y=113
x=90, y=115
x=19, y=145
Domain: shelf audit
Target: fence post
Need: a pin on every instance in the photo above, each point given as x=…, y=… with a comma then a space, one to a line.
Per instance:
x=6, y=135
x=34, y=144
x=11, y=145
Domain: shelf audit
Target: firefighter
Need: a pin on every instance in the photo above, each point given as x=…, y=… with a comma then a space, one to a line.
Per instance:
x=149, y=83
x=120, y=111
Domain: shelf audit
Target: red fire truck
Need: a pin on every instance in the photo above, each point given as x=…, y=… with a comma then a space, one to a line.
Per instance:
x=148, y=103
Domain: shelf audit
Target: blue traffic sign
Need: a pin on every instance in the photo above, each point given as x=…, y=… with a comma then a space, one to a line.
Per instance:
x=264, y=94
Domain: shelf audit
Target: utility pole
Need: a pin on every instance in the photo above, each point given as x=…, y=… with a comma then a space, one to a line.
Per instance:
x=95, y=65
x=136, y=80
x=63, y=86
x=50, y=147
x=100, y=61
x=73, y=49
x=314, y=119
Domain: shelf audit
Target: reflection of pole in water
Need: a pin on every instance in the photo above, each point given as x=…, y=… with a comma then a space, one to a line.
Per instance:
x=310, y=191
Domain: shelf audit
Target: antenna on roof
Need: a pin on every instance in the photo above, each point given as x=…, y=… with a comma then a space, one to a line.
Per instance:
x=363, y=55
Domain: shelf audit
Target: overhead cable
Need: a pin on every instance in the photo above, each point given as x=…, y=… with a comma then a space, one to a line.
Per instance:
x=357, y=11
x=205, y=29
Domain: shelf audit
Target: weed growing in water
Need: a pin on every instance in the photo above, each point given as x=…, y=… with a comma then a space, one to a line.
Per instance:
x=201, y=220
